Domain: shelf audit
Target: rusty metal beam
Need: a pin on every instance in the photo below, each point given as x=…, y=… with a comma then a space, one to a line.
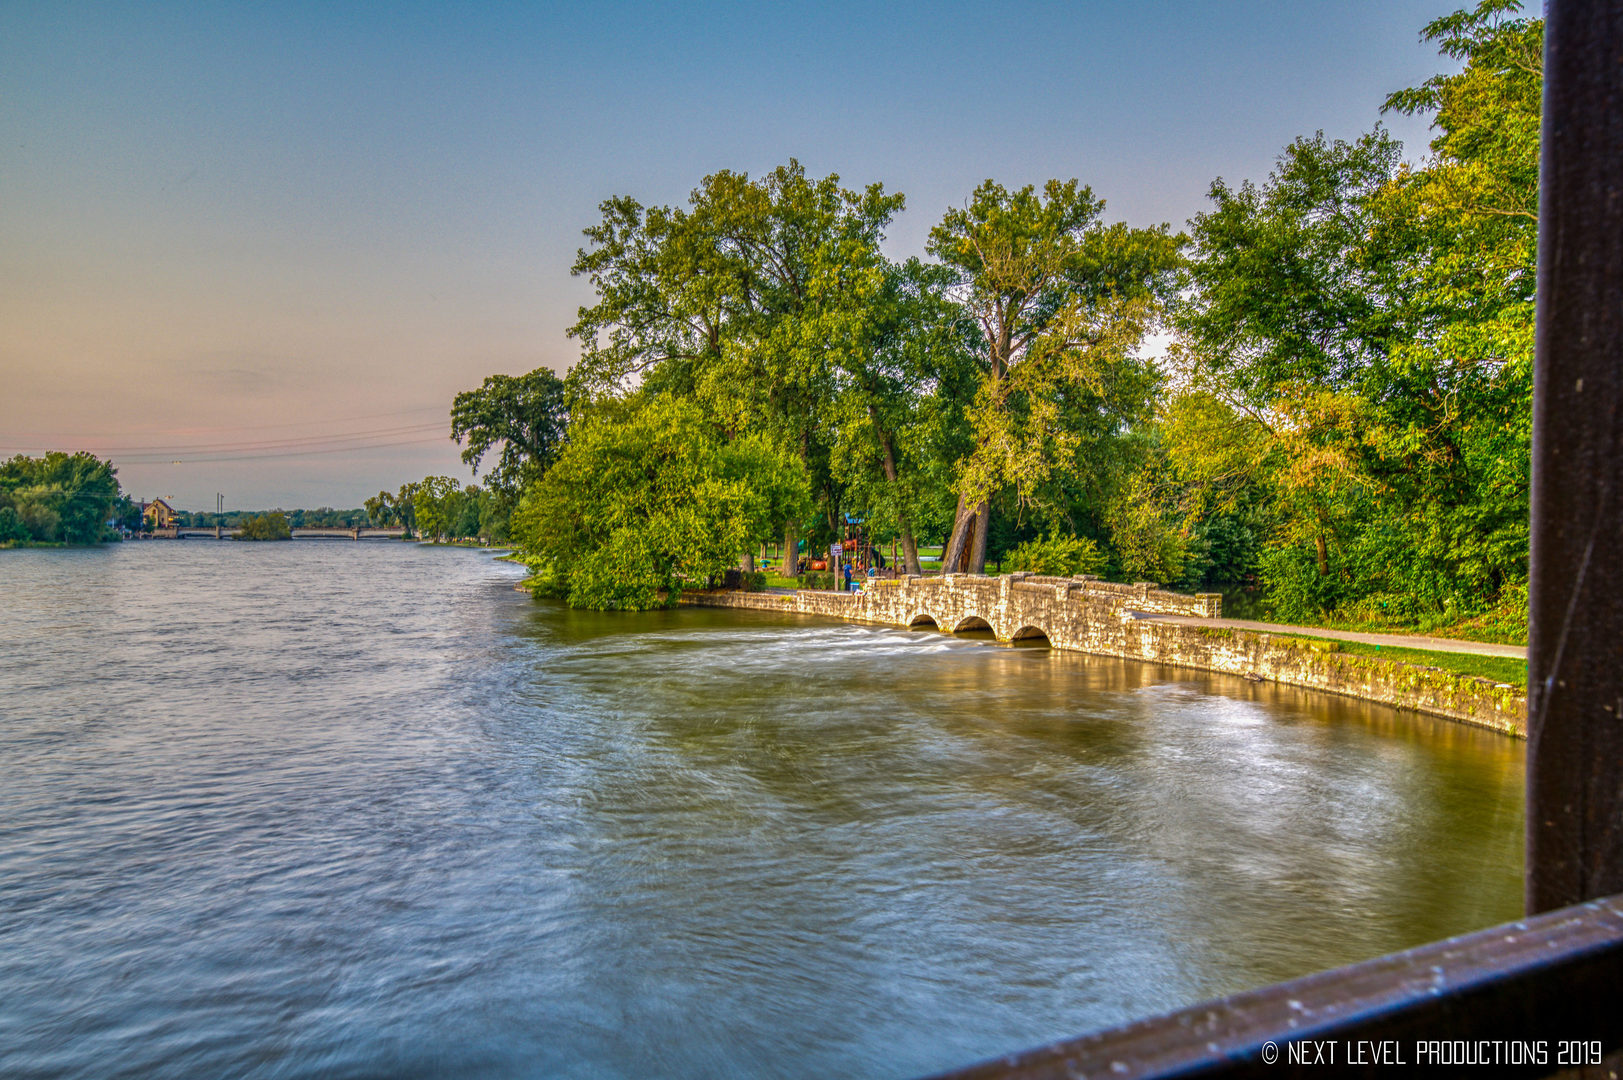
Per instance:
x=1575, y=648
x=1537, y=982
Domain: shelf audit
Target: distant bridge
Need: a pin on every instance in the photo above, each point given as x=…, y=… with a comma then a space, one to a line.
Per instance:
x=311, y=532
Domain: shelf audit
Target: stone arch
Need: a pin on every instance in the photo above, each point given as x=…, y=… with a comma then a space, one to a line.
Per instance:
x=971, y=624
x=922, y=620
x=1032, y=634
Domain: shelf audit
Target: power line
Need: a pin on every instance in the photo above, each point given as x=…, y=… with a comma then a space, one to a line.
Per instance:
x=81, y=436
x=205, y=459
x=289, y=443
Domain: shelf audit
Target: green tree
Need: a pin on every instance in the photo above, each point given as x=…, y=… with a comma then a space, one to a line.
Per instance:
x=1365, y=329
x=1062, y=302
x=381, y=510
x=741, y=301
x=126, y=514
x=1293, y=317
x=1058, y=556
x=60, y=497
x=1453, y=448
x=272, y=525
x=12, y=529
x=404, y=506
x=648, y=497
x=526, y=415
x=897, y=421
x=436, y=506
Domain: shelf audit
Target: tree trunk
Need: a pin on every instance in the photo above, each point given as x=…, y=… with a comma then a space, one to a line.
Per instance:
x=747, y=563
x=909, y=548
x=910, y=552
x=791, y=551
x=977, y=556
x=953, y=554
x=1324, y=555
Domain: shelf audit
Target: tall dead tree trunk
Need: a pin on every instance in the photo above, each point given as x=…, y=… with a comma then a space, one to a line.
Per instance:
x=965, y=552
x=952, y=556
x=977, y=555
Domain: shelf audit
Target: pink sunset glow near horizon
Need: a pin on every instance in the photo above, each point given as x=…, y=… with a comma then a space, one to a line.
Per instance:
x=258, y=251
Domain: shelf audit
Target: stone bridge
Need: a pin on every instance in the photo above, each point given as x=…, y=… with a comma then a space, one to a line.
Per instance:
x=1069, y=612
x=1065, y=611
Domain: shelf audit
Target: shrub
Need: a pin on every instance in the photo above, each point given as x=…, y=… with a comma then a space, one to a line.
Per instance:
x=12, y=529
x=271, y=526
x=1058, y=556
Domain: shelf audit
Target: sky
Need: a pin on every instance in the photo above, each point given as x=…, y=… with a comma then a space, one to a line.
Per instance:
x=256, y=249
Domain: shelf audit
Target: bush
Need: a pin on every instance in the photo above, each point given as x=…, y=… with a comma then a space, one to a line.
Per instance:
x=271, y=526
x=1293, y=588
x=12, y=529
x=817, y=579
x=1058, y=556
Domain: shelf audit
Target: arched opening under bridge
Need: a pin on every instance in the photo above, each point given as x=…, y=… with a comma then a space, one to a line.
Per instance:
x=923, y=621
x=1032, y=635
x=973, y=626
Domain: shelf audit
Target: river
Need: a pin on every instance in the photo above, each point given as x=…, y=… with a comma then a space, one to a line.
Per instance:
x=347, y=809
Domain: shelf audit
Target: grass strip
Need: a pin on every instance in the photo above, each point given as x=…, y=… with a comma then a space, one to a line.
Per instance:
x=1499, y=669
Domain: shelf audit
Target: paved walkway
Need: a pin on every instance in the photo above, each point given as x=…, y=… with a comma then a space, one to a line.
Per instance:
x=1398, y=641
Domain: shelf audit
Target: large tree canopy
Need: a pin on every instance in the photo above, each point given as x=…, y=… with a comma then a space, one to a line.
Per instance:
x=58, y=498
x=1063, y=302
x=1357, y=348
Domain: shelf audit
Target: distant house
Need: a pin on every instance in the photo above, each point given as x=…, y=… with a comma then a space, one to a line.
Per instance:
x=158, y=514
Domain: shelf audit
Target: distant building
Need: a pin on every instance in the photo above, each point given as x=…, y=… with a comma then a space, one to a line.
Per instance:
x=158, y=514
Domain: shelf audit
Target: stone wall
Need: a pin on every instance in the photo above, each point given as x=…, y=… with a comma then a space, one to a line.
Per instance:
x=1091, y=616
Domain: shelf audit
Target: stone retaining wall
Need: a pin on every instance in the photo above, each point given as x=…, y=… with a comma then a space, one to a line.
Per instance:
x=1091, y=616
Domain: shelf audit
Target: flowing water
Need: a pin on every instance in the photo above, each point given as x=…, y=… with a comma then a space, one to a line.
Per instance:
x=350, y=810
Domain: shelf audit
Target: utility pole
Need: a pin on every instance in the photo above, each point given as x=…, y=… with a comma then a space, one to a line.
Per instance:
x=219, y=514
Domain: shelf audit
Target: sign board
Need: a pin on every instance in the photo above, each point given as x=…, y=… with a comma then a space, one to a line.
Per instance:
x=834, y=553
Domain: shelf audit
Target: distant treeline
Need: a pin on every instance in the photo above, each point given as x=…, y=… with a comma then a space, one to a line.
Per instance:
x=324, y=518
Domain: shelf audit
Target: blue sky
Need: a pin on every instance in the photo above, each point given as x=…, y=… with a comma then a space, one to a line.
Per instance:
x=237, y=226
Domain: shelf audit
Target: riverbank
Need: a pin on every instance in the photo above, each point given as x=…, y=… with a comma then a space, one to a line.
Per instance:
x=1106, y=619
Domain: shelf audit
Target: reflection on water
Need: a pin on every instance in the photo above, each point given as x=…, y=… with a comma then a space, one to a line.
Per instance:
x=362, y=810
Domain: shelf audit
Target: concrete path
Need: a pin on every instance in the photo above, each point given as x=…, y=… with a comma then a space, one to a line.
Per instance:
x=1399, y=641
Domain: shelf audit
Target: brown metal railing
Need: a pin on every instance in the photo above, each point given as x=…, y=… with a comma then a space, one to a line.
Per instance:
x=1533, y=997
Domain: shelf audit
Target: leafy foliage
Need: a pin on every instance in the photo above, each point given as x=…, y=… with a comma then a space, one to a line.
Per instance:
x=1356, y=355
x=272, y=525
x=650, y=497
x=59, y=498
x=527, y=415
x=1062, y=302
x=1058, y=556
